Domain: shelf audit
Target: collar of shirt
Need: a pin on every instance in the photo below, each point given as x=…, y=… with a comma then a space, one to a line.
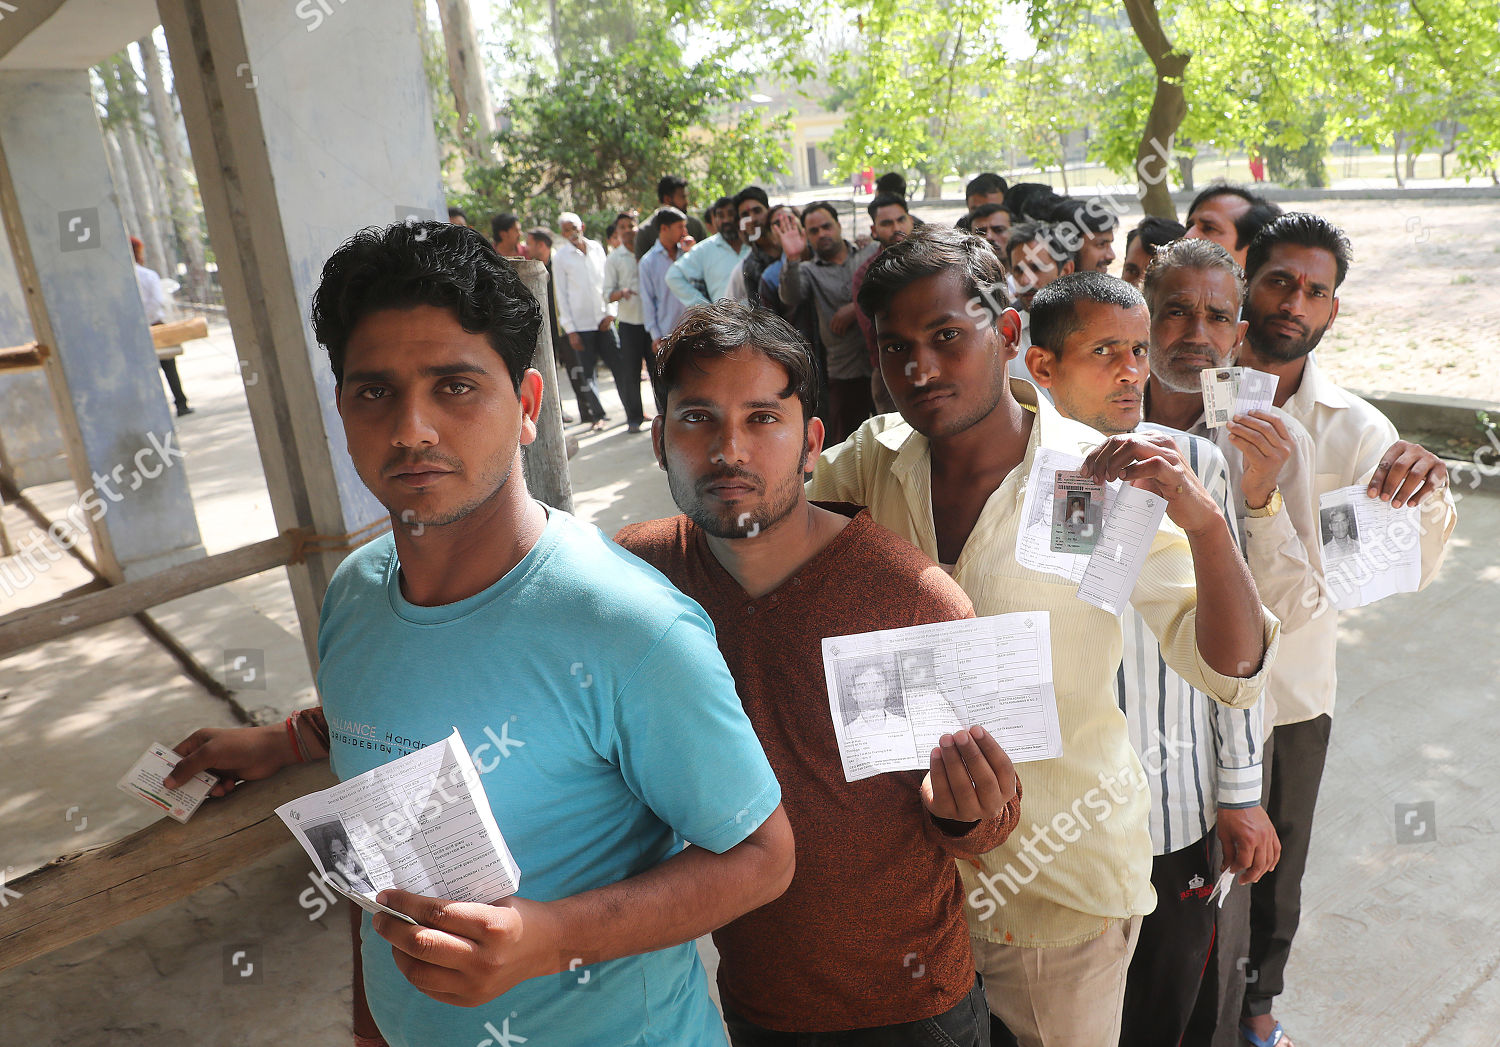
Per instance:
x=1316, y=389
x=849, y=256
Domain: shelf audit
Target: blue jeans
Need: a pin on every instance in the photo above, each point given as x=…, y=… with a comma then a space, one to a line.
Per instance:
x=966, y=1024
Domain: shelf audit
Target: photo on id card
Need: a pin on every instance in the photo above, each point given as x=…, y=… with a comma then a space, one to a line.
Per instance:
x=1077, y=513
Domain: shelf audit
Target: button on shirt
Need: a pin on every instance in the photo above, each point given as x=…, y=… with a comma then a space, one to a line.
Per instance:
x=579, y=276
x=702, y=275
x=1034, y=890
x=660, y=308
x=831, y=287
x=1349, y=436
x=622, y=273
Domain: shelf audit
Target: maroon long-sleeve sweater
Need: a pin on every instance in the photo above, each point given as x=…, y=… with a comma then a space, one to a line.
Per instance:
x=871, y=931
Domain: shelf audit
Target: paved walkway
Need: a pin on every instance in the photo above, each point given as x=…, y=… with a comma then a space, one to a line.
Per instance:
x=1399, y=942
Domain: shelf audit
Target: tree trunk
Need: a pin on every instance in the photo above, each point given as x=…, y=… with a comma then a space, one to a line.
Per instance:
x=1168, y=108
x=932, y=184
x=121, y=182
x=471, y=95
x=135, y=171
x=184, y=208
x=1062, y=160
x=556, y=35
x=1411, y=165
x=1396, y=160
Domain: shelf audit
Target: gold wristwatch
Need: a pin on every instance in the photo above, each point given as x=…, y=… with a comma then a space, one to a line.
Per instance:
x=1271, y=508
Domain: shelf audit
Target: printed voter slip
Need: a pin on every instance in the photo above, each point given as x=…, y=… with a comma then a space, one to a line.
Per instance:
x=1232, y=391
x=144, y=782
x=421, y=823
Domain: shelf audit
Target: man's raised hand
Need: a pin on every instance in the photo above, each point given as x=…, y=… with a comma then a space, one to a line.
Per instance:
x=970, y=778
x=1154, y=464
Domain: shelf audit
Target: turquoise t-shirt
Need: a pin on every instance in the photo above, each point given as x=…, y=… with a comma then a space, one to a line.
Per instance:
x=606, y=730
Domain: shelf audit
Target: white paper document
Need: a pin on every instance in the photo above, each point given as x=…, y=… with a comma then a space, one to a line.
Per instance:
x=144, y=782
x=420, y=823
x=1232, y=391
x=1370, y=550
x=892, y=694
x=1057, y=515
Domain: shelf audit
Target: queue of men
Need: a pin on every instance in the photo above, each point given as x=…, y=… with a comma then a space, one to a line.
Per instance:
x=681, y=774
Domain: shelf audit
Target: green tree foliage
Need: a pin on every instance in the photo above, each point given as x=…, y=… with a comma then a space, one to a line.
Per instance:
x=919, y=89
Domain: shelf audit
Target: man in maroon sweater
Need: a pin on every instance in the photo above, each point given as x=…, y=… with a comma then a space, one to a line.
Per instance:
x=870, y=938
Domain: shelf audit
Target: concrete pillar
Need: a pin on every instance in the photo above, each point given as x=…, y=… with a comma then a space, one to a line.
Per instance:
x=306, y=122
x=31, y=443
x=69, y=247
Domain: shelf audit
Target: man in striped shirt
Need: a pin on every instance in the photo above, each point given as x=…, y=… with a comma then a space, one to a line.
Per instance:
x=1091, y=336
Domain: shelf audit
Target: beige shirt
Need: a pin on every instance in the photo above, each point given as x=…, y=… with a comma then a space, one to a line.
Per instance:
x=1081, y=856
x=1349, y=436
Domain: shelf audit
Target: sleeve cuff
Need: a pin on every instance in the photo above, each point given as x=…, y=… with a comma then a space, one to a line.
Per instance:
x=1239, y=786
x=1242, y=692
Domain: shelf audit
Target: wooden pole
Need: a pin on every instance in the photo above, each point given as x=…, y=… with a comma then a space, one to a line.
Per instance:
x=546, y=460
x=78, y=895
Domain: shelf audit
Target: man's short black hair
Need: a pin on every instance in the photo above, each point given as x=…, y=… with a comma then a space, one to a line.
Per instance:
x=985, y=184
x=623, y=215
x=1030, y=200
x=1261, y=213
x=1300, y=229
x=502, y=223
x=668, y=186
x=541, y=233
x=751, y=192
x=668, y=216
x=928, y=251
x=409, y=264
x=723, y=201
x=721, y=328
x=1054, y=308
x=1023, y=233
x=609, y=230
x=985, y=210
x=893, y=182
x=886, y=200
x=1155, y=232
x=457, y=212
x=822, y=205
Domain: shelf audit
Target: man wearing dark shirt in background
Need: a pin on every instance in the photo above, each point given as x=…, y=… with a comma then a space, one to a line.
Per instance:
x=671, y=191
x=829, y=282
x=735, y=433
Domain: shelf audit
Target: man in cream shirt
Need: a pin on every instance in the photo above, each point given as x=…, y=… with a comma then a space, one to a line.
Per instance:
x=949, y=474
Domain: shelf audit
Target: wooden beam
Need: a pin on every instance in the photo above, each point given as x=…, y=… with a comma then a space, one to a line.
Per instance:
x=164, y=336
x=63, y=617
x=26, y=357
x=79, y=895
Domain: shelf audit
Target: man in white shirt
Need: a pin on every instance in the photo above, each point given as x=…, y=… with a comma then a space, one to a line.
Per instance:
x=155, y=302
x=702, y=275
x=578, y=272
x=622, y=289
x=1294, y=268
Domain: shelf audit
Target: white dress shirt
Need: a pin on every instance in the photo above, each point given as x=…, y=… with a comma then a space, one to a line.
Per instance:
x=579, y=277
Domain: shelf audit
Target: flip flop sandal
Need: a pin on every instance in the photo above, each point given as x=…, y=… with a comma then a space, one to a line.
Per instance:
x=1278, y=1037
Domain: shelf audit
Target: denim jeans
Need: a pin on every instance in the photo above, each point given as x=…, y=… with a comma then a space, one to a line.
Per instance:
x=966, y=1024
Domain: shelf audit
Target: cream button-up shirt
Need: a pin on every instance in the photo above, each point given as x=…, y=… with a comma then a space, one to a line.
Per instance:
x=1081, y=856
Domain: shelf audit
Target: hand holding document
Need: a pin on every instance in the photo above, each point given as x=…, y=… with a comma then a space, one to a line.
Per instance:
x=420, y=823
x=894, y=693
x=144, y=782
x=1370, y=550
x=1229, y=392
x=1096, y=535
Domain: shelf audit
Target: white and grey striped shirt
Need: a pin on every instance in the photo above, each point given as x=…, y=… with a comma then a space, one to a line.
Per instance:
x=1198, y=755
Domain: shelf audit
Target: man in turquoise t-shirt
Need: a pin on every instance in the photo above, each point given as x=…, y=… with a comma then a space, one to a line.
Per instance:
x=592, y=694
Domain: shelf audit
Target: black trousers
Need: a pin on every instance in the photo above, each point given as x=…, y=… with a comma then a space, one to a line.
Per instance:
x=581, y=363
x=1297, y=757
x=635, y=349
x=966, y=1024
x=1161, y=987
x=169, y=368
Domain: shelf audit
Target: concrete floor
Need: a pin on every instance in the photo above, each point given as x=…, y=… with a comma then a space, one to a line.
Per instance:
x=1399, y=942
